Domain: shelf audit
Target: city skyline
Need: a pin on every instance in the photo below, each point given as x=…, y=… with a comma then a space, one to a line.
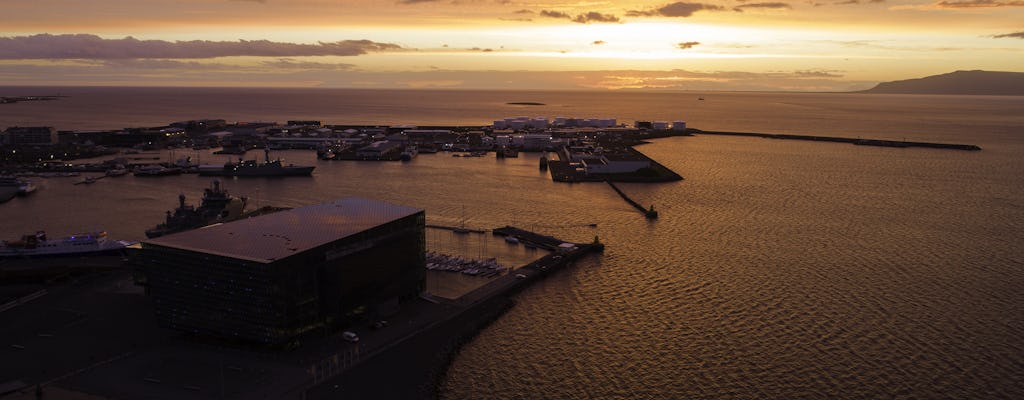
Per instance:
x=701, y=45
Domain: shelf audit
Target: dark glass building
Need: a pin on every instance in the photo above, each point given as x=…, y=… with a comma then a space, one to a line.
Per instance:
x=271, y=278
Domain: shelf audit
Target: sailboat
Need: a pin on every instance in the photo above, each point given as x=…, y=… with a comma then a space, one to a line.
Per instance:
x=462, y=225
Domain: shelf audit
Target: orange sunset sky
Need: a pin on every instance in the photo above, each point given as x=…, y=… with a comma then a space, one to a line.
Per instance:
x=819, y=45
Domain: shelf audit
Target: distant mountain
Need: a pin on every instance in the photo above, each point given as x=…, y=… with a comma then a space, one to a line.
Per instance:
x=959, y=82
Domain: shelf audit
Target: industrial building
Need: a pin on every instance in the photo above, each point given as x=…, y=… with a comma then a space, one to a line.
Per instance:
x=271, y=278
x=29, y=136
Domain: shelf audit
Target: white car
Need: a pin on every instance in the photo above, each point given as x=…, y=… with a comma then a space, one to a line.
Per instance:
x=350, y=336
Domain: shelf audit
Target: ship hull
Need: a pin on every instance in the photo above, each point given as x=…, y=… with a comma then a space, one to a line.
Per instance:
x=286, y=171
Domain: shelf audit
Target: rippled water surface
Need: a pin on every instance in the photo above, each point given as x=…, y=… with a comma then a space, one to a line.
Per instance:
x=778, y=269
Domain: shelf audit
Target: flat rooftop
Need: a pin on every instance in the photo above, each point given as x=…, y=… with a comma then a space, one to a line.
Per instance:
x=274, y=236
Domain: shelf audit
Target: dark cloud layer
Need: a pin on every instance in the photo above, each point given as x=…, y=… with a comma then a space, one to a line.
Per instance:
x=1018, y=35
x=771, y=6
x=554, y=14
x=677, y=9
x=979, y=4
x=85, y=46
x=581, y=18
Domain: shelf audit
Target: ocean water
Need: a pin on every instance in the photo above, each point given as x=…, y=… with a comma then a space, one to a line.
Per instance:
x=777, y=269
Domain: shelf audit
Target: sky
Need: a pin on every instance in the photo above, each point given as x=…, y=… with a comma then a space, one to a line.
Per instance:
x=787, y=45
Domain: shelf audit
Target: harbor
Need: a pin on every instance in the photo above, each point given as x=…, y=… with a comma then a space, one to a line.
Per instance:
x=713, y=253
x=432, y=327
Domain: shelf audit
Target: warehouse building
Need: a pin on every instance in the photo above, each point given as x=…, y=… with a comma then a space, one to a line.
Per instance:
x=274, y=277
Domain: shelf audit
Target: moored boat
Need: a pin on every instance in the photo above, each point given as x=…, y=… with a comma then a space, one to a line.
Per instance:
x=156, y=170
x=409, y=153
x=22, y=186
x=217, y=206
x=255, y=168
x=81, y=244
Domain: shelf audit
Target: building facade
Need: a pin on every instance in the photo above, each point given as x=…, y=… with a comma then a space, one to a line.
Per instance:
x=272, y=278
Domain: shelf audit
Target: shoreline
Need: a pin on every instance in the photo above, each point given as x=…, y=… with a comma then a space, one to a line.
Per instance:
x=408, y=359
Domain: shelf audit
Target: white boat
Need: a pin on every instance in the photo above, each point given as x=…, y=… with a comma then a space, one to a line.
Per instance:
x=24, y=186
x=511, y=240
x=118, y=171
x=156, y=170
x=82, y=244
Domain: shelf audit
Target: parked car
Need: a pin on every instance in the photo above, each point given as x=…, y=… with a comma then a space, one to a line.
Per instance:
x=350, y=336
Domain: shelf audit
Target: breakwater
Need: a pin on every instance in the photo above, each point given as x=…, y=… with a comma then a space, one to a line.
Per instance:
x=856, y=141
x=415, y=365
x=648, y=213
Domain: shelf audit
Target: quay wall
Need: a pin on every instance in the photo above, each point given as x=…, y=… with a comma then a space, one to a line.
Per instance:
x=416, y=366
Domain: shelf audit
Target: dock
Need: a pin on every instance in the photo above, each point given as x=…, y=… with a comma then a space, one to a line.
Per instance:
x=648, y=213
x=541, y=241
x=456, y=228
x=855, y=141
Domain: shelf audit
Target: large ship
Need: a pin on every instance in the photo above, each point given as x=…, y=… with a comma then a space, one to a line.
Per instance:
x=254, y=168
x=217, y=206
x=82, y=244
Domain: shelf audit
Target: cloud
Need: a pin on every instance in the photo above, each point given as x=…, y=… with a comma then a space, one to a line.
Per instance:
x=85, y=46
x=554, y=14
x=524, y=12
x=595, y=17
x=772, y=6
x=1018, y=35
x=416, y=1
x=687, y=45
x=875, y=44
x=677, y=9
x=581, y=18
x=154, y=64
x=806, y=80
x=979, y=4
x=290, y=64
x=598, y=42
x=816, y=74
